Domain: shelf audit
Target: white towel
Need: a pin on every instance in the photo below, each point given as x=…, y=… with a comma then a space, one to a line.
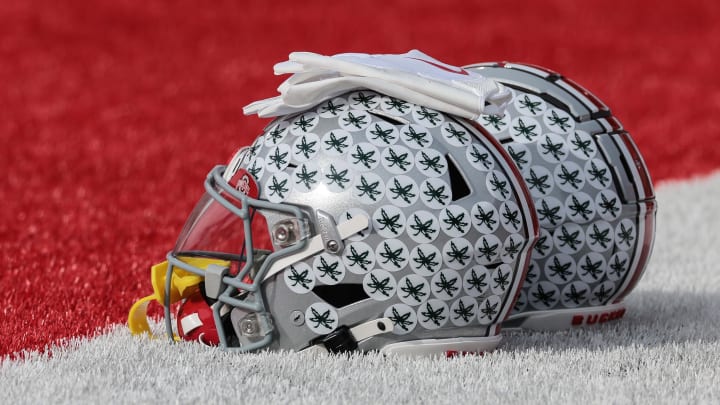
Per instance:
x=413, y=76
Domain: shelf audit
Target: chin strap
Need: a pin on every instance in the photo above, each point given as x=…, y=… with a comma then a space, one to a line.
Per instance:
x=182, y=284
x=344, y=339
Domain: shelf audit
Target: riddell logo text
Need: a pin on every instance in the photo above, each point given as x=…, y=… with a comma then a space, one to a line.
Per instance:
x=450, y=354
x=592, y=319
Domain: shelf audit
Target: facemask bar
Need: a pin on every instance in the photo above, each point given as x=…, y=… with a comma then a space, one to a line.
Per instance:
x=254, y=299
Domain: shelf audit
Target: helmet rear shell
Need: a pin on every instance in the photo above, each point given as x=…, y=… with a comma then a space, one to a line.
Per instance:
x=591, y=189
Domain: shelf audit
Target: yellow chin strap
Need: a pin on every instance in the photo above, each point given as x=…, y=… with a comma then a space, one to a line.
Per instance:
x=182, y=284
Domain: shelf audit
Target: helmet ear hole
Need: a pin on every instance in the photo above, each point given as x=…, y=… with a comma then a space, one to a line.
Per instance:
x=341, y=295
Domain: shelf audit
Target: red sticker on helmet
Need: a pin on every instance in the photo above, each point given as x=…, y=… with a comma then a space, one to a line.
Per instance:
x=245, y=183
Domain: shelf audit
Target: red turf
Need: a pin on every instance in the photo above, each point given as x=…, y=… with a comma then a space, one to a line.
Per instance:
x=112, y=112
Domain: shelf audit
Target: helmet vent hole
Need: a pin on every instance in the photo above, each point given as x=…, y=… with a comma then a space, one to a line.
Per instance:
x=458, y=184
x=341, y=295
x=389, y=118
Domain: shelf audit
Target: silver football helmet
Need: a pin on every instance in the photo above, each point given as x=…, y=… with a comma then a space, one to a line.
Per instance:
x=366, y=222
x=592, y=194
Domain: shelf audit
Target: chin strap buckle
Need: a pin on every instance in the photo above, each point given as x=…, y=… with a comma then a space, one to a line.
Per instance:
x=344, y=339
x=341, y=340
x=214, y=280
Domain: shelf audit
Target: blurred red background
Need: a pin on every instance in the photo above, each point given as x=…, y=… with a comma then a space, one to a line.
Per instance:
x=112, y=112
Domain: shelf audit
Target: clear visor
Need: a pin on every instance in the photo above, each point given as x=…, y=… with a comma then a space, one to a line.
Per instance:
x=229, y=225
x=212, y=230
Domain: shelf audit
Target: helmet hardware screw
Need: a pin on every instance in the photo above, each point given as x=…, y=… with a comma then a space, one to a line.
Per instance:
x=297, y=317
x=282, y=233
x=333, y=246
x=249, y=327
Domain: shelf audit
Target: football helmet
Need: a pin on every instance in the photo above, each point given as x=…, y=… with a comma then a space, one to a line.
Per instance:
x=592, y=193
x=363, y=223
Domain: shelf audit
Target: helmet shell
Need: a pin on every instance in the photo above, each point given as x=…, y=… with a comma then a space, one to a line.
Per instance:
x=591, y=190
x=451, y=223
